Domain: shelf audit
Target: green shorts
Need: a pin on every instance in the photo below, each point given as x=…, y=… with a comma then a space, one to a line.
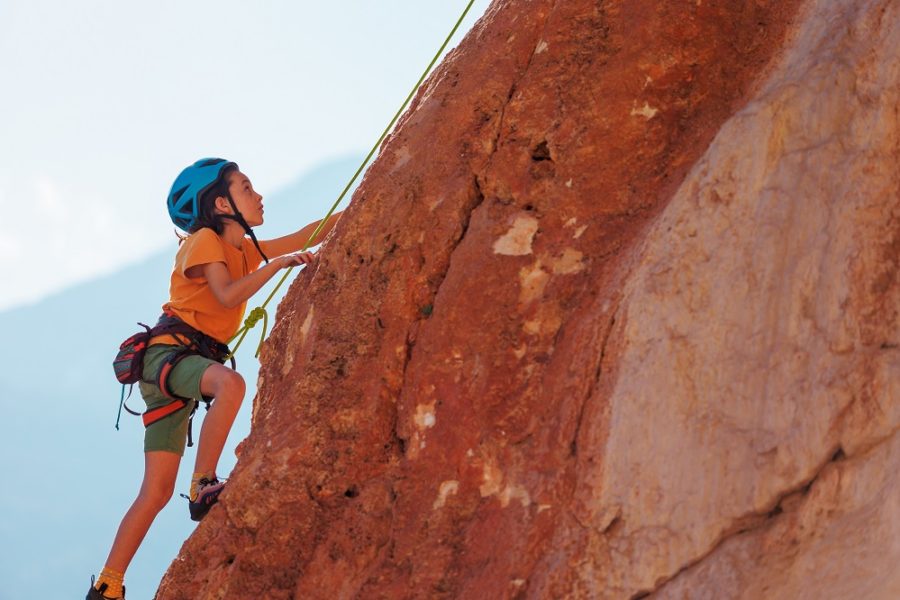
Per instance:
x=170, y=432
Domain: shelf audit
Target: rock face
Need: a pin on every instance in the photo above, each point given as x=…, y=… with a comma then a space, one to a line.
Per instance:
x=615, y=312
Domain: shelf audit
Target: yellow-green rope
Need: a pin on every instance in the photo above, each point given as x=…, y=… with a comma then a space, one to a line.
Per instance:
x=260, y=312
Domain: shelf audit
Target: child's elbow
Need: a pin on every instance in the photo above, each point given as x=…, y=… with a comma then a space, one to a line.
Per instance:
x=230, y=303
x=225, y=300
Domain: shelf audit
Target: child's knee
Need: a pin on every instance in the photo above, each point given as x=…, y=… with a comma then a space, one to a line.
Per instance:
x=239, y=381
x=234, y=382
x=157, y=496
x=218, y=381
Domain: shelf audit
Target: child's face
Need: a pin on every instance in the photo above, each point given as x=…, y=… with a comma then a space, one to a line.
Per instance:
x=248, y=202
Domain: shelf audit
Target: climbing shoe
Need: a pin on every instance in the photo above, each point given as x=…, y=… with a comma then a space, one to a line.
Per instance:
x=207, y=495
x=97, y=594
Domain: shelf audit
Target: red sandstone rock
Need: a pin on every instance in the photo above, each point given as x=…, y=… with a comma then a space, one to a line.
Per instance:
x=609, y=302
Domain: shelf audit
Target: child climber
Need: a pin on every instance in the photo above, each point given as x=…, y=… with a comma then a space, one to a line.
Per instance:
x=216, y=272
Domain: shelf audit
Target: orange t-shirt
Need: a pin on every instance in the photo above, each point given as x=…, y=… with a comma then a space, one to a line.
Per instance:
x=192, y=300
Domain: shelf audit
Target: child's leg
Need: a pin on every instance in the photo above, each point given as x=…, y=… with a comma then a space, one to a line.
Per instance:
x=227, y=387
x=160, y=471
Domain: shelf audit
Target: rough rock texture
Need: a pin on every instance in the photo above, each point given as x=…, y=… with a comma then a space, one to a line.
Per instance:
x=614, y=313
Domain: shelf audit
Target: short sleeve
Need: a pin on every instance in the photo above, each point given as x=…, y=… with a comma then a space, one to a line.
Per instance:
x=201, y=248
x=252, y=254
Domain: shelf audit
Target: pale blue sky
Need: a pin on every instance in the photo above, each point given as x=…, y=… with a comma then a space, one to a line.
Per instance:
x=103, y=102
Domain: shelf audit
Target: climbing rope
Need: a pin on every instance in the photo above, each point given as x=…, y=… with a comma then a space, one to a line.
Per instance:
x=259, y=313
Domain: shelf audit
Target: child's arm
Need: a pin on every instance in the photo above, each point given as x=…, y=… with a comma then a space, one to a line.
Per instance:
x=295, y=241
x=231, y=292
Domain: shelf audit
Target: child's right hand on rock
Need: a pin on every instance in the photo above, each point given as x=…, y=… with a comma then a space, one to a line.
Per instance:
x=295, y=259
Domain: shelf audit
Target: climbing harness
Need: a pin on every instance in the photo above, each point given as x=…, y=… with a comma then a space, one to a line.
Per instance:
x=128, y=366
x=259, y=313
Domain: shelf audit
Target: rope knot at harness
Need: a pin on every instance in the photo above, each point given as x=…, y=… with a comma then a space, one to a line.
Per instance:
x=249, y=323
x=255, y=315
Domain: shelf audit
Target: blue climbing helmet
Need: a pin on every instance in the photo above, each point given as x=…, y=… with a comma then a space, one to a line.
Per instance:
x=184, y=197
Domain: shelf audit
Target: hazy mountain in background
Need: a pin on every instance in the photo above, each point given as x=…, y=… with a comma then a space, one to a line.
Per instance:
x=68, y=475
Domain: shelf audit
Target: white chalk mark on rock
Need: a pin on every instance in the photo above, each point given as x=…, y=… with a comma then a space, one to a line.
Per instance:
x=568, y=263
x=425, y=416
x=517, y=241
x=646, y=111
x=447, y=488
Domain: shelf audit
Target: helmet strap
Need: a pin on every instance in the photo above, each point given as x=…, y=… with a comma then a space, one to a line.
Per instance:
x=237, y=216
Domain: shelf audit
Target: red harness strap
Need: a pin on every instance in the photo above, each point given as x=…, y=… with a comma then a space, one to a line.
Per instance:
x=162, y=379
x=152, y=416
x=177, y=403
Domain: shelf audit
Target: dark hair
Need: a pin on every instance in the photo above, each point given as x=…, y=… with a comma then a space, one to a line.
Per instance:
x=206, y=213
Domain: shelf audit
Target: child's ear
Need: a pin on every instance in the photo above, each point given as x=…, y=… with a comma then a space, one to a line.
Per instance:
x=222, y=205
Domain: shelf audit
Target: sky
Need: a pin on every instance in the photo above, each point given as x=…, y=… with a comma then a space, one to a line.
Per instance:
x=103, y=102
